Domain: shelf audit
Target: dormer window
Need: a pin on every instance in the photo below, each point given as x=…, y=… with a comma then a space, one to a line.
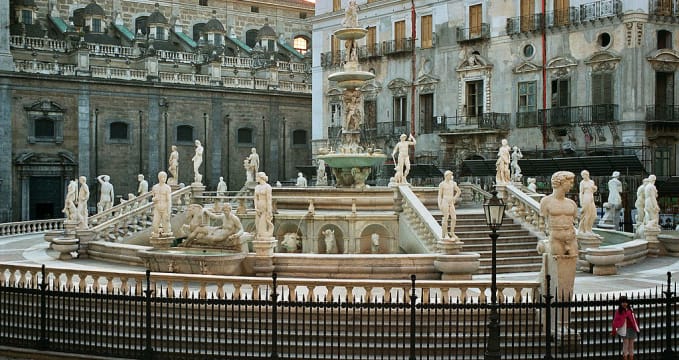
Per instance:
x=218, y=39
x=27, y=17
x=96, y=25
x=160, y=33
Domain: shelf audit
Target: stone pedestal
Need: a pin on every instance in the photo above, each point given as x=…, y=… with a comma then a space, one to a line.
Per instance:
x=457, y=267
x=85, y=236
x=449, y=246
x=651, y=235
x=669, y=245
x=66, y=246
x=264, y=250
x=197, y=189
x=604, y=260
x=161, y=241
x=561, y=269
x=585, y=242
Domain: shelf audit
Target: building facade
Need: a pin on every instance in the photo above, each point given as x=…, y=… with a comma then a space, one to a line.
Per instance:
x=557, y=78
x=93, y=88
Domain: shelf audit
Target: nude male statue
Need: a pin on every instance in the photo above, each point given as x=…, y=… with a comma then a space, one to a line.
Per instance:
x=403, y=163
x=162, y=206
x=560, y=213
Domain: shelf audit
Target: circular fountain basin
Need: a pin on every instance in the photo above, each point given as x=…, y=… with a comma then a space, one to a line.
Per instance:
x=193, y=261
x=350, y=33
x=351, y=79
x=339, y=160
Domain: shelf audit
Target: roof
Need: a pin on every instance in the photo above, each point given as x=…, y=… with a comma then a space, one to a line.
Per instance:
x=291, y=49
x=59, y=24
x=266, y=32
x=129, y=35
x=185, y=38
x=93, y=9
x=156, y=18
x=240, y=44
x=97, y=38
x=596, y=165
x=213, y=25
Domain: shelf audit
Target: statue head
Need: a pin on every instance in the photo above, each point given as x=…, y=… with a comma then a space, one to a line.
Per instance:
x=563, y=180
x=197, y=142
x=402, y=137
x=253, y=150
x=162, y=177
x=448, y=175
x=174, y=147
x=140, y=177
x=82, y=179
x=221, y=178
x=584, y=174
x=262, y=175
x=299, y=174
x=651, y=179
x=616, y=174
x=107, y=178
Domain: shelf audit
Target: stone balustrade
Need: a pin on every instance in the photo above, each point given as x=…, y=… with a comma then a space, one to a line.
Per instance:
x=112, y=50
x=119, y=209
x=177, y=56
x=419, y=219
x=522, y=206
x=29, y=227
x=259, y=288
x=32, y=43
x=237, y=62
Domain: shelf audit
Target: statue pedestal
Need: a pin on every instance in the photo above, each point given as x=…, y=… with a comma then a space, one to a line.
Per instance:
x=197, y=189
x=66, y=246
x=460, y=266
x=604, y=260
x=651, y=235
x=449, y=246
x=161, y=241
x=561, y=269
x=585, y=242
x=85, y=236
x=264, y=249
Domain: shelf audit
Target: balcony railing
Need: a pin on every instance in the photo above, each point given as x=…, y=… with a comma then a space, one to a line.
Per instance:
x=330, y=59
x=491, y=120
x=662, y=114
x=390, y=129
x=667, y=10
x=600, y=10
x=369, y=51
x=569, y=116
x=523, y=24
x=596, y=10
x=481, y=32
x=397, y=46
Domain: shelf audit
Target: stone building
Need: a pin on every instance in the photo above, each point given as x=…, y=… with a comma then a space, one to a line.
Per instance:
x=579, y=78
x=90, y=88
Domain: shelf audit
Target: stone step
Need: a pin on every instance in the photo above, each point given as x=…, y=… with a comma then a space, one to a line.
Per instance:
x=510, y=268
x=484, y=234
x=482, y=248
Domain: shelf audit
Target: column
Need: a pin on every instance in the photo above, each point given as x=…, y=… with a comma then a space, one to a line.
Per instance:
x=6, y=176
x=84, y=133
x=6, y=60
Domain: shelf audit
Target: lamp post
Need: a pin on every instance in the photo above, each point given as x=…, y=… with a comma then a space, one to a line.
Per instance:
x=494, y=209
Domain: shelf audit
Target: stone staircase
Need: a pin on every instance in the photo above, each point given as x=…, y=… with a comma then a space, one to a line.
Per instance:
x=516, y=247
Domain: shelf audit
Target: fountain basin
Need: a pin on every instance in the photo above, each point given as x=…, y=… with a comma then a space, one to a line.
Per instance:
x=351, y=79
x=193, y=261
x=351, y=33
x=339, y=160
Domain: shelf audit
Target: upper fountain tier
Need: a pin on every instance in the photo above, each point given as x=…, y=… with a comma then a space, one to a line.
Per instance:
x=352, y=33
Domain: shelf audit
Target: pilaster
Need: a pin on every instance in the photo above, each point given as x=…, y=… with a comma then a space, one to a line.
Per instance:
x=84, y=132
x=6, y=179
x=6, y=59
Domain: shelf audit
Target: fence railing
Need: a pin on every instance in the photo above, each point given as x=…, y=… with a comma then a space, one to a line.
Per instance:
x=490, y=120
x=662, y=113
x=145, y=323
x=602, y=114
x=480, y=32
x=667, y=9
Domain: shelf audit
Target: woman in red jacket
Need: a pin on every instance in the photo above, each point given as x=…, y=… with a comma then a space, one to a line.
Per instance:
x=624, y=317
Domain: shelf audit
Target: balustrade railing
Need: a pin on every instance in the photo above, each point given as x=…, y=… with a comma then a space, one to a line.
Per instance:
x=420, y=220
x=480, y=32
x=29, y=227
x=34, y=43
x=524, y=207
x=178, y=56
x=490, y=120
x=110, y=50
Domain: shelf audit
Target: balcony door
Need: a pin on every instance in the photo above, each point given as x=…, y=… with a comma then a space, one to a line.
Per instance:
x=527, y=13
x=560, y=102
x=475, y=21
x=561, y=12
x=427, y=112
x=602, y=98
x=664, y=7
x=371, y=41
x=400, y=34
x=664, y=96
x=474, y=103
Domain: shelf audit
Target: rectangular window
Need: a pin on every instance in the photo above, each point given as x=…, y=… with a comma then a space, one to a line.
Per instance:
x=218, y=39
x=96, y=25
x=254, y=9
x=475, y=21
x=400, y=114
x=302, y=15
x=661, y=162
x=474, y=103
x=160, y=33
x=335, y=114
x=560, y=93
x=335, y=49
x=336, y=5
x=371, y=41
x=426, y=32
x=370, y=111
x=202, y=2
x=561, y=12
x=27, y=17
x=400, y=34
x=527, y=12
x=527, y=96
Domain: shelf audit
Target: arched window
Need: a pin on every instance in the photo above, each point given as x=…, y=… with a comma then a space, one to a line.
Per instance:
x=245, y=136
x=184, y=133
x=251, y=37
x=44, y=128
x=140, y=25
x=198, y=31
x=299, y=137
x=118, y=131
x=301, y=44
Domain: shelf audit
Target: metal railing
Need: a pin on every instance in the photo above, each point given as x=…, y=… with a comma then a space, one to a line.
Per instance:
x=273, y=320
x=603, y=114
x=526, y=23
x=596, y=10
x=397, y=46
x=491, y=120
x=481, y=32
x=662, y=113
x=667, y=10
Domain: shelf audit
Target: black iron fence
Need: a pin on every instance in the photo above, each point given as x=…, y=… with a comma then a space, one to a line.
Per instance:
x=569, y=116
x=662, y=113
x=576, y=15
x=210, y=326
x=490, y=120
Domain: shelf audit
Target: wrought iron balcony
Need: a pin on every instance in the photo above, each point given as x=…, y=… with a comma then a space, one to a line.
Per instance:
x=603, y=114
x=600, y=10
x=390, y=129
x=596, y=10
x=397, y=46
x=491, y=120
x=330, y=59
x=369, y=51
x=524, y=24
x=481, y=32
x=662, y=115
x=664, y=10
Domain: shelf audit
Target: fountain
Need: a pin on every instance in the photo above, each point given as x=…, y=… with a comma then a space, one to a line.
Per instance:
x=351, y=164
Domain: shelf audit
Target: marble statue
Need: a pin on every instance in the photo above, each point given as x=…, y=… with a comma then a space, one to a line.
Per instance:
x=263, y=207
x=532, y=186
x=70, y=210
x=83, y=198
x=502, y=163
x=403, y=163
x=639, y=204
x=321, y=175
x=330, y=243
x=448, y=194
x=173, y=166
x=351, y=15
x=612, y=207
x=251, y=165
x=352, y=102
x=162, y=207
x=221, y=187
x=516, y=169
x=197, y=161
x=278, y=184
x=301, y=180
x=143, y=187
x=588, y=208
x=199, y=234
x=290, y=242
x=375, y=243
x=560, y=213
x=106, y=194
x=651, y=208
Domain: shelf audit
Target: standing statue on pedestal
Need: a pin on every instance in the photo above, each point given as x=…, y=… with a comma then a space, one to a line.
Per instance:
x=612, y=208
x=516, y=169
x=639, y=205
x=251, y=165
x=106, y=194
x=162, y=207
x=173, y=166
x=221, y=187
x=330, y=242
x=70, y=210
x=197, y=161
x=321, y=175
x=83, y=198
x=588, y=208
x=651, y=208
x=351, y=15
x=263, y=207
x=560, y=213
x=375, y=243
x=502, y=163
x=403, y=163
x=449, y=192
x=143, y=187
x=301, y=180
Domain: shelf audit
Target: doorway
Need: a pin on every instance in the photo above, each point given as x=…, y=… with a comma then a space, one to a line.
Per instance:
x=46, y=197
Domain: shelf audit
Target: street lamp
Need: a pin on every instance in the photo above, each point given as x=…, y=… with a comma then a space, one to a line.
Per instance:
x=494, y=209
